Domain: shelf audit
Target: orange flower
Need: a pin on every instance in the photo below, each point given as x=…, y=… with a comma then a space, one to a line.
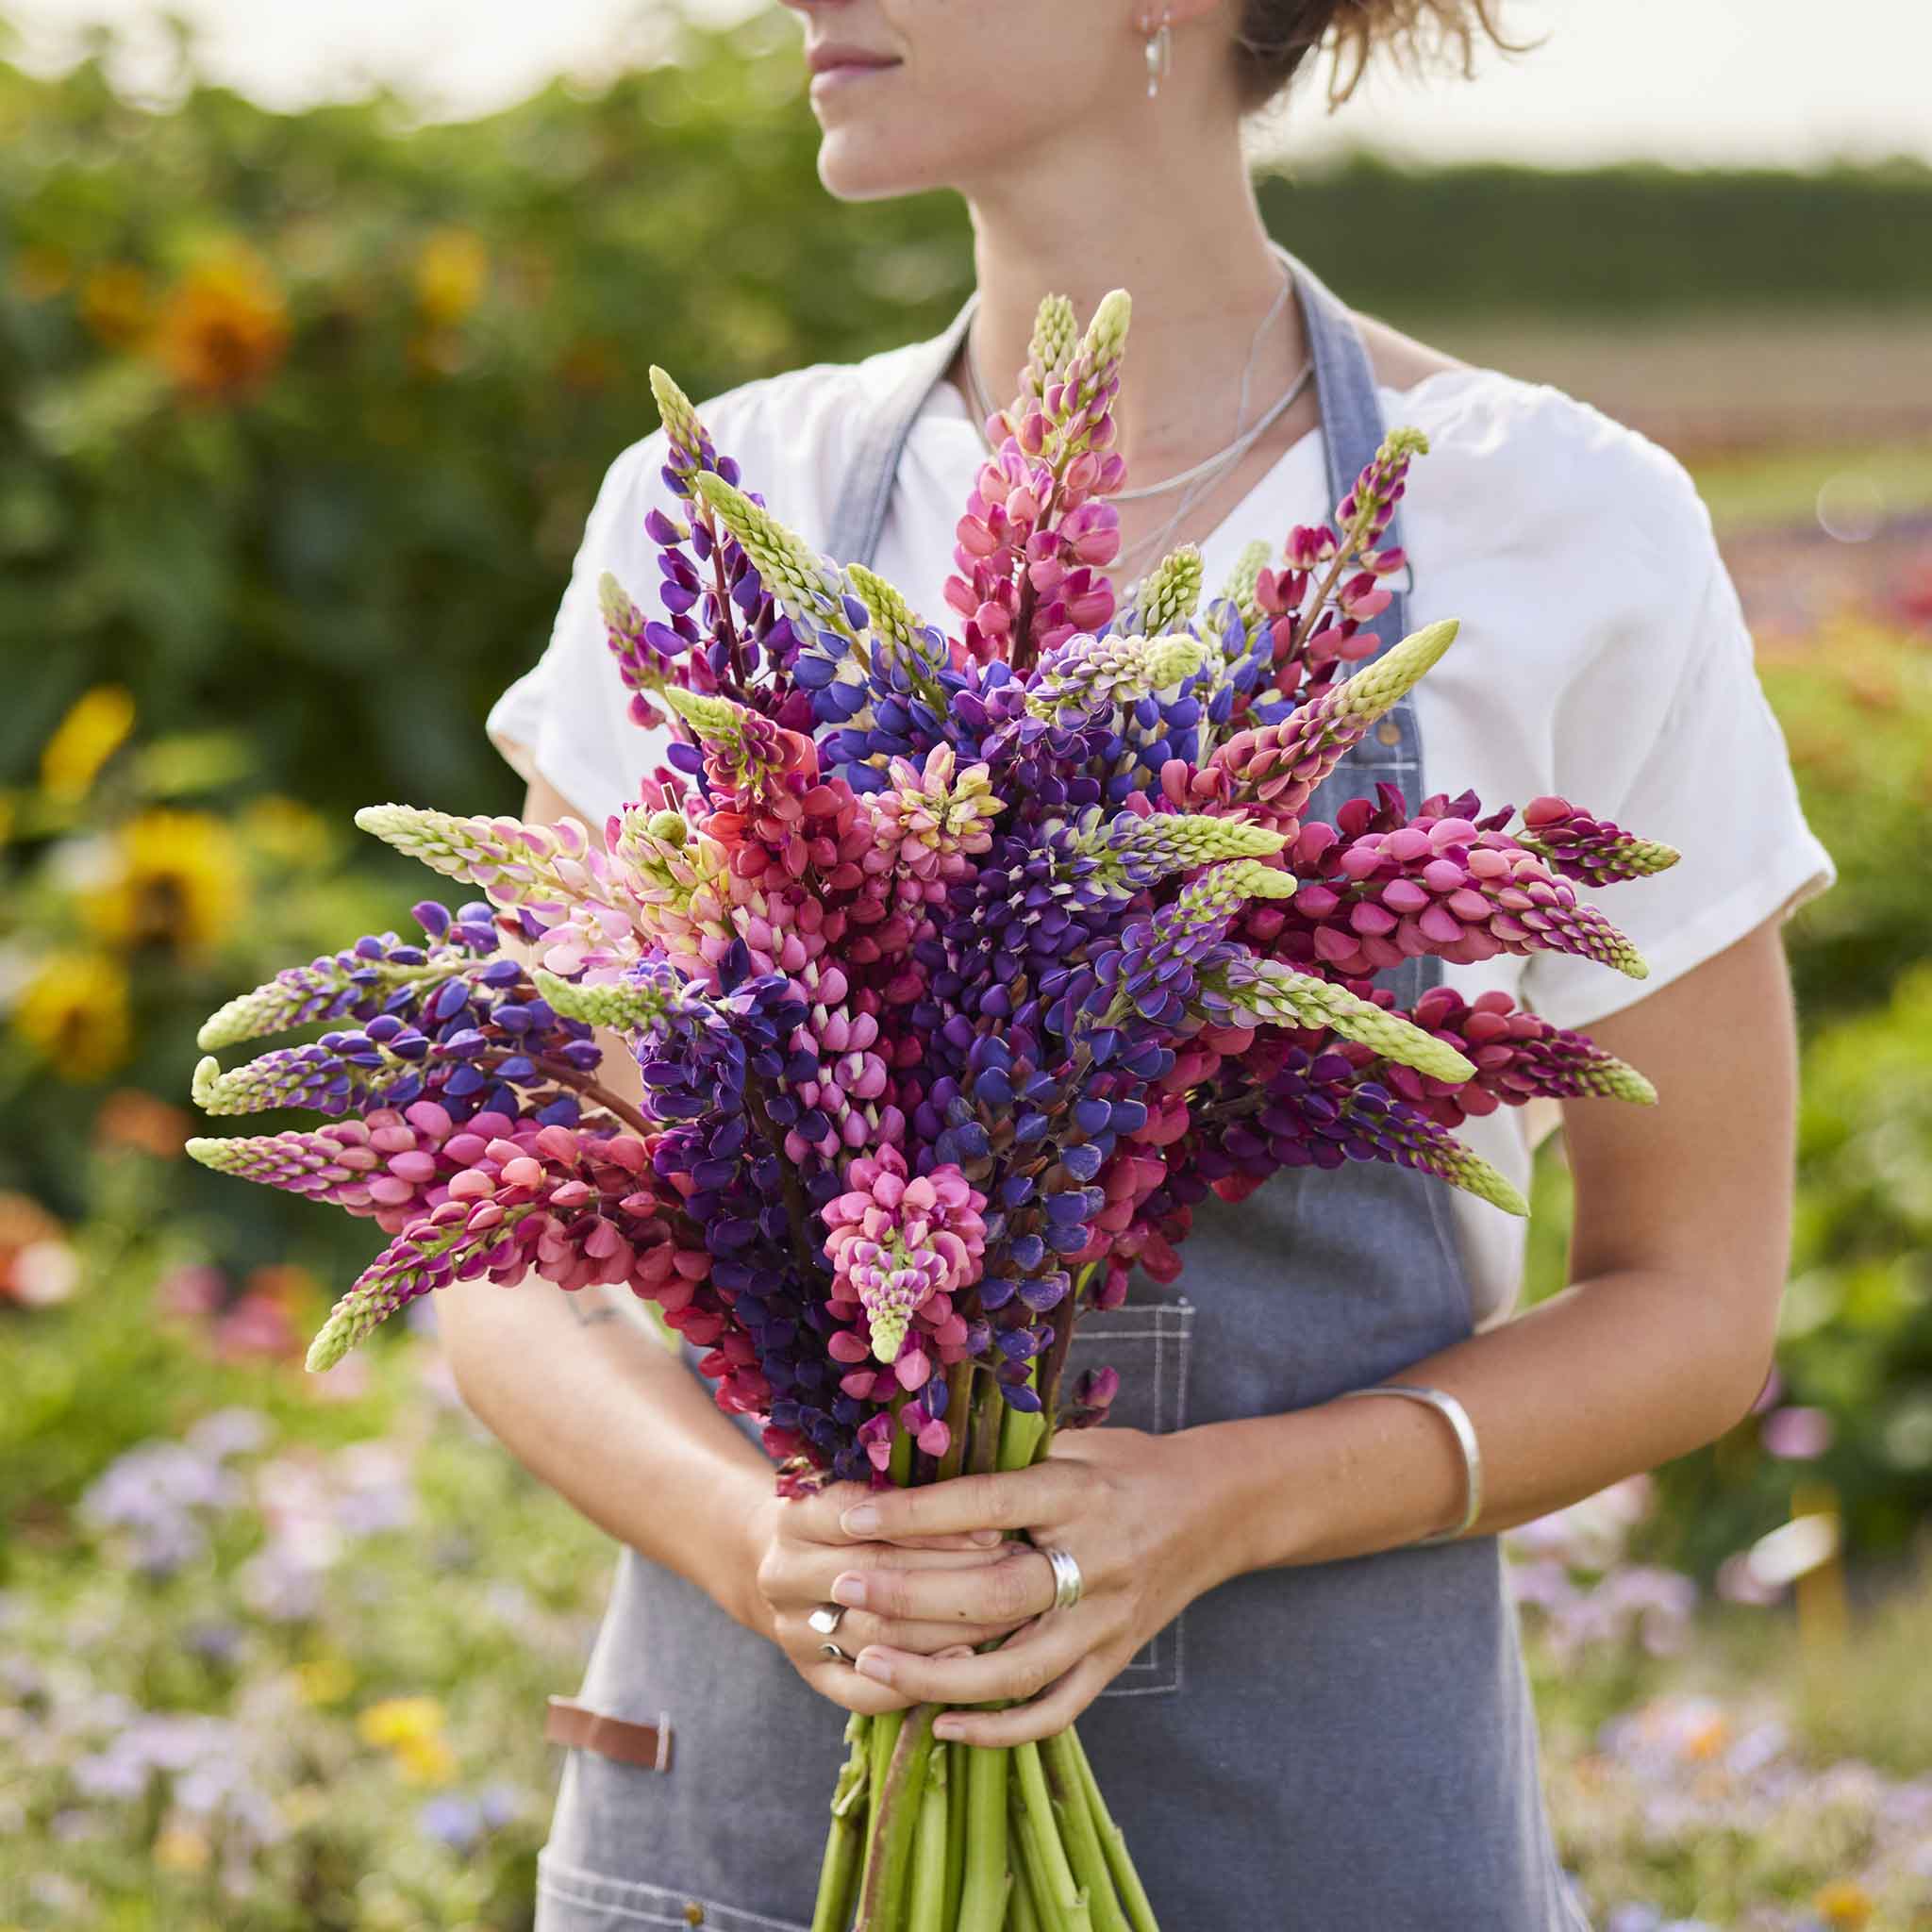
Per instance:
x=224, y=328
x=129, y=1118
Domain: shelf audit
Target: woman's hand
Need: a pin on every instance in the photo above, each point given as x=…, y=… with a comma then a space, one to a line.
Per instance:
x=799, y=1547
x=1140, y=1514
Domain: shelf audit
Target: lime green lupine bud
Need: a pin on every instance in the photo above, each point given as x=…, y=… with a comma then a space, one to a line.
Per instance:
x=717, y=722
x=681, y=425
x=1378, y=684
x=1140, y=851
x=1238, y=585
x=1056, y=333
x=1169, y=594
x=622, y=1005
x=1088, y=672
x=795, y=572
x=1271, y=994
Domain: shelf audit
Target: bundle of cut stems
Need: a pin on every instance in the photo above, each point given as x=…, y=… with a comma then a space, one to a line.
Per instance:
x=935, y=1836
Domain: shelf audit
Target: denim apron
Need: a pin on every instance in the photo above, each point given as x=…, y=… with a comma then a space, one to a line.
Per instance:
x=1345, y=1746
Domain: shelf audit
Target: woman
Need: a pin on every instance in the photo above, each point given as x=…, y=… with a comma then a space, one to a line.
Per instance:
x=1307, y=1706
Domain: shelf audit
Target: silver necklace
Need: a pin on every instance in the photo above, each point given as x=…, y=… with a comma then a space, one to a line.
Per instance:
x=1200, y=476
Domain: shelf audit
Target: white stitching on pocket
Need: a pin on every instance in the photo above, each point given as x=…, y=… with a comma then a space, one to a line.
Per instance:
x=629, y=1898
x=1168, y=1325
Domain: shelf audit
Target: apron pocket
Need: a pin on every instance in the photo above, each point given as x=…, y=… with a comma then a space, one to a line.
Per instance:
x=572, y=1900
x=1147, y=1343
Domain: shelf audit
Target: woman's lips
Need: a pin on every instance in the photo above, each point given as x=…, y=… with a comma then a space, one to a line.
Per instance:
x=847, y=71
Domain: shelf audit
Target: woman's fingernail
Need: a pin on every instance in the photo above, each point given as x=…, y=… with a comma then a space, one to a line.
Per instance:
x=873, y=1666
x=849, y=1590
x=946, y=1728
x=860, y=1520
x=986, y=1538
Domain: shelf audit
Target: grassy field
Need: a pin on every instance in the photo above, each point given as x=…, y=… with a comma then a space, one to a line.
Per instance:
x=1745, y=382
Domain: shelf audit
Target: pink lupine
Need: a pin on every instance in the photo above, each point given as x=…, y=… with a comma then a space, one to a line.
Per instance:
x=1435, y=885
x=1592, y=851
x=900, y=1247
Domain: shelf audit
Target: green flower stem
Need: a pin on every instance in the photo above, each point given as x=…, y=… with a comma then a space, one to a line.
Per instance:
x=1113, y=1840
x=958, y=1406
x=1029, y=1886
x=900, y=1468
x=927, y=1906
x=955, y=1828
x=888, y=1850
x=1060, y=1903
x=1022, y=1439
x=1039, y=1839
x=839, y=1873
x=983, y=1456
x=983, y=1900
x=1079, y=1831
x=882, y=1735
x=1021, y=1917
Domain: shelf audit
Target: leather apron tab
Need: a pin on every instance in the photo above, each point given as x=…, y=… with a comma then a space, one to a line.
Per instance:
x=567, y=1722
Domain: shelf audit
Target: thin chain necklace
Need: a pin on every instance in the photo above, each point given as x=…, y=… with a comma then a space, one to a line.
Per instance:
x=1201, y=476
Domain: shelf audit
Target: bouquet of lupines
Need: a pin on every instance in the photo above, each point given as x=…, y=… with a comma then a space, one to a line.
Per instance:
x=956, y=968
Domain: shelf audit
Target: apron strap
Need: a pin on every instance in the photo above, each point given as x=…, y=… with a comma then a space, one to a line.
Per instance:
x=1352, y=425
x=861, y=514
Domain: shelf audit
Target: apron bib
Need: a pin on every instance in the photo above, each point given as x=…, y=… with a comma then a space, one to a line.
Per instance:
x=1318, y=1748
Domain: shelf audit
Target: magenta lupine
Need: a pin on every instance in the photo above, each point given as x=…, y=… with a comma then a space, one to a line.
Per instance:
x=1591, y=851
x=1438, y=886
x=1518, y=1056
x=1270, y=772
x=576, y=1207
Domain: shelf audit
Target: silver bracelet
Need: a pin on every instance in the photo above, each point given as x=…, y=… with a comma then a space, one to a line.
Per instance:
x=1465, y=1435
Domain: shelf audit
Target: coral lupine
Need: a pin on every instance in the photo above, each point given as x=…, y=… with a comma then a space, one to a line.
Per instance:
x=957, y=970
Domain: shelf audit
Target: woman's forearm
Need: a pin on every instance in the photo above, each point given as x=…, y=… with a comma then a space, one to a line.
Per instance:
x=613, y=1422
x=1611, y=1376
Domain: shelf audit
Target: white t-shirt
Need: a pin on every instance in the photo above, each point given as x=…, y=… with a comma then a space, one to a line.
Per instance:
x=1602, y=655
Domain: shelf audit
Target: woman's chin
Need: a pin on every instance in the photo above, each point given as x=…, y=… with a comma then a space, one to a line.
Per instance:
x=860, y=164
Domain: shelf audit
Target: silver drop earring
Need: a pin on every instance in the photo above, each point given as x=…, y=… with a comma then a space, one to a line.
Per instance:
x=1160, y=54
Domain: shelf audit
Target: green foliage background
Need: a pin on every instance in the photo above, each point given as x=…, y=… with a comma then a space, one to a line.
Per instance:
x=418, y=348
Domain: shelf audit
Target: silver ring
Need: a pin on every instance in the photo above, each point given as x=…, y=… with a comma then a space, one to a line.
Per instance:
x=1067, y=1580
x=824, y=1620
x=832, y=1651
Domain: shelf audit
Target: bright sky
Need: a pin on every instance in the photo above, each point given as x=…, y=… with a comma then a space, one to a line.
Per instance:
x=1769, y=81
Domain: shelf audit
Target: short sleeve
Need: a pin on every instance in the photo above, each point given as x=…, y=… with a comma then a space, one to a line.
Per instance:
x=1715, y=781
x=568, y=718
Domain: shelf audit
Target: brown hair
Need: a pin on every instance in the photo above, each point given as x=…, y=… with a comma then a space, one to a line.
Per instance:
x=1277, y=35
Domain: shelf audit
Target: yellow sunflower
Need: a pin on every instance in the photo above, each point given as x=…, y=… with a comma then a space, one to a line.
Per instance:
x=74, y=1014
x=178, y=882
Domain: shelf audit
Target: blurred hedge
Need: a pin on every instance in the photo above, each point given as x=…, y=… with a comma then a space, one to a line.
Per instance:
x=1641, y=238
